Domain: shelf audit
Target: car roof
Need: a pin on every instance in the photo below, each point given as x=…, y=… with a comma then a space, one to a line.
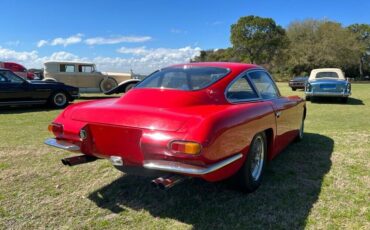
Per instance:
x=69, y=62
x=228, y=65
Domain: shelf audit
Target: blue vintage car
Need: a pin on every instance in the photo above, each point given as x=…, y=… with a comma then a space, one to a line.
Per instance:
x=328, y=82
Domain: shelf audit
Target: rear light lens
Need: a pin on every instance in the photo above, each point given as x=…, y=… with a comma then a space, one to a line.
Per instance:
x=56, y=129
x=186, y=147
x=348, y=88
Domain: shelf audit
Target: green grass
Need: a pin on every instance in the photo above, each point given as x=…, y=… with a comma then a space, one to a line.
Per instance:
x=320, y=183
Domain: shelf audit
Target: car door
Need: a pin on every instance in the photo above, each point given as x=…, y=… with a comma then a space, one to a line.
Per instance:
x=87, y=77
x=12, y=88
x=285, y=108
x=66, y=74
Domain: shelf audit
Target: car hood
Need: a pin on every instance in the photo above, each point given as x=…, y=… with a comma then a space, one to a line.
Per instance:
x=328, y=81
x=154, y=109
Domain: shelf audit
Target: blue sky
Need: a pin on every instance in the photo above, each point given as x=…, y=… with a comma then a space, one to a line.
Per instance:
x=144, y=35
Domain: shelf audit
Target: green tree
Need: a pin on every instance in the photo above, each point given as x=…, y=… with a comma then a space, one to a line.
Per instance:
x=362, y=33
x=257, y=39
x=320, y=43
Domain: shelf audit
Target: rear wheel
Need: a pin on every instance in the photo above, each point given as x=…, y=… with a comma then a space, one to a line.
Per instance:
x=58, y=100
x=301, y=132
x=107, y=84
x=294, y=89
x=250, y=175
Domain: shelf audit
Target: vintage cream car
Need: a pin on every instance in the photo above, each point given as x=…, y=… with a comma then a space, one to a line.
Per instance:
x=327, y=82
x=84, y=76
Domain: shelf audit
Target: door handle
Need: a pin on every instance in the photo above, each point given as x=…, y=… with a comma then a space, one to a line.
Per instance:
x=277, y=114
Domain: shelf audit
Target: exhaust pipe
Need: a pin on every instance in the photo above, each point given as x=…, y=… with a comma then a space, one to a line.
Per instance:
x=165, y=183
x=76, y=160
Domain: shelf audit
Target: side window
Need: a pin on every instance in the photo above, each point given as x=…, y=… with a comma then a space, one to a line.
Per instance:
x=11, y=77
x=264, y=84
x=2, y=78
x=241, y=90
x=85, y=68
x=67, y=68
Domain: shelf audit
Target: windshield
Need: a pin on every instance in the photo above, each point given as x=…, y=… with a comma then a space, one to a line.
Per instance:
x=327, y=75
x=183, y=78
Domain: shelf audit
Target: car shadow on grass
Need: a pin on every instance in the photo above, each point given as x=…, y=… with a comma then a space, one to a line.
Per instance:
x=328, y=100
x=291, y=186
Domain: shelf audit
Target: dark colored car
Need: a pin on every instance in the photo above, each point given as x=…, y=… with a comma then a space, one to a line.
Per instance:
x=15, y=90
x=298, y=82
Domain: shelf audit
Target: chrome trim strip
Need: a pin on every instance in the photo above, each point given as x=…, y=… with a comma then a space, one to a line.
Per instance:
x=177, y=167
x=62, y=144
x=327, y=94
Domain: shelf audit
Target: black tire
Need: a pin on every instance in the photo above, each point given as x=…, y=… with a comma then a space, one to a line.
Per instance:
x=129, y=86
x=308, y=98
x=108, y=84
x=58, y=99
x=294, y=89
x=301, y=132
x=247, y=178
x=344, y=99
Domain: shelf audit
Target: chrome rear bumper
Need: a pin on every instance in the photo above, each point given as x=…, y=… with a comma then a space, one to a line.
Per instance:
x=178, y=167
x=62, y=144
x=160, y=165
x=327, y=94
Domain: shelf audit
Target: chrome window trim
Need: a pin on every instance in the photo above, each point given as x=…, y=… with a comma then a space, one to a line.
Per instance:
x=259, y=98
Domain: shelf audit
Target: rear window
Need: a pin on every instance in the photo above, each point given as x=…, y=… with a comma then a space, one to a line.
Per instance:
x=327, y=75
x=183, y=78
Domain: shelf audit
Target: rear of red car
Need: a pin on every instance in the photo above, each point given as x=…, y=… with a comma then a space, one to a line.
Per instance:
x=18, y=69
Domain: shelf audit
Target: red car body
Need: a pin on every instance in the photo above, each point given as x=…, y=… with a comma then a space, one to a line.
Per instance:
x=18, y=69
x=141, y=127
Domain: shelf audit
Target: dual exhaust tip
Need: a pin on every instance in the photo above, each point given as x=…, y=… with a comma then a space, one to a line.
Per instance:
x=162, y=183
x=77, y=160
x=167, y=182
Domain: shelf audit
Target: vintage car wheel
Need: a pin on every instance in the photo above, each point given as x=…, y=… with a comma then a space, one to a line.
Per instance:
x=107, y=84
x=59, y=100
x=250, y=175
x=308, y=98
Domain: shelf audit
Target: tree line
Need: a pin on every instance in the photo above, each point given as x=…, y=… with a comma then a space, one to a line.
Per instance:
x=296, y=50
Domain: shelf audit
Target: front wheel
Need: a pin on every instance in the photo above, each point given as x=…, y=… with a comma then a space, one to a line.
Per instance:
x=250, y=175
x=58, y=100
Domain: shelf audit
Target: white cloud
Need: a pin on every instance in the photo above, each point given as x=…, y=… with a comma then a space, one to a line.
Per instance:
x=74, y=39
x=143, y=60
x=116, y=40
x=67, y=41
x=42, y=43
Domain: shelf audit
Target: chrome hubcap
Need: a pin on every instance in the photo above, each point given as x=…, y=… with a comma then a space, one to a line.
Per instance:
x=60, y=99
x=258, y=153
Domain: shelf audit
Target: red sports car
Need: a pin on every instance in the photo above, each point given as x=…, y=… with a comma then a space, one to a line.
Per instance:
x=207, y=120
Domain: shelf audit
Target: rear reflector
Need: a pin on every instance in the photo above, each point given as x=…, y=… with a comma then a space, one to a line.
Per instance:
x=185, y=147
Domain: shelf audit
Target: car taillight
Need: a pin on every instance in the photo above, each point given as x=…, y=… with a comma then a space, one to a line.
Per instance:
x=56, y=129
x=348, y=88
x=308, y=87
x=186, y=147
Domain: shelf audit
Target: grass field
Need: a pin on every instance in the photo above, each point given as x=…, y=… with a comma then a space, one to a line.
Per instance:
x=320, y=183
